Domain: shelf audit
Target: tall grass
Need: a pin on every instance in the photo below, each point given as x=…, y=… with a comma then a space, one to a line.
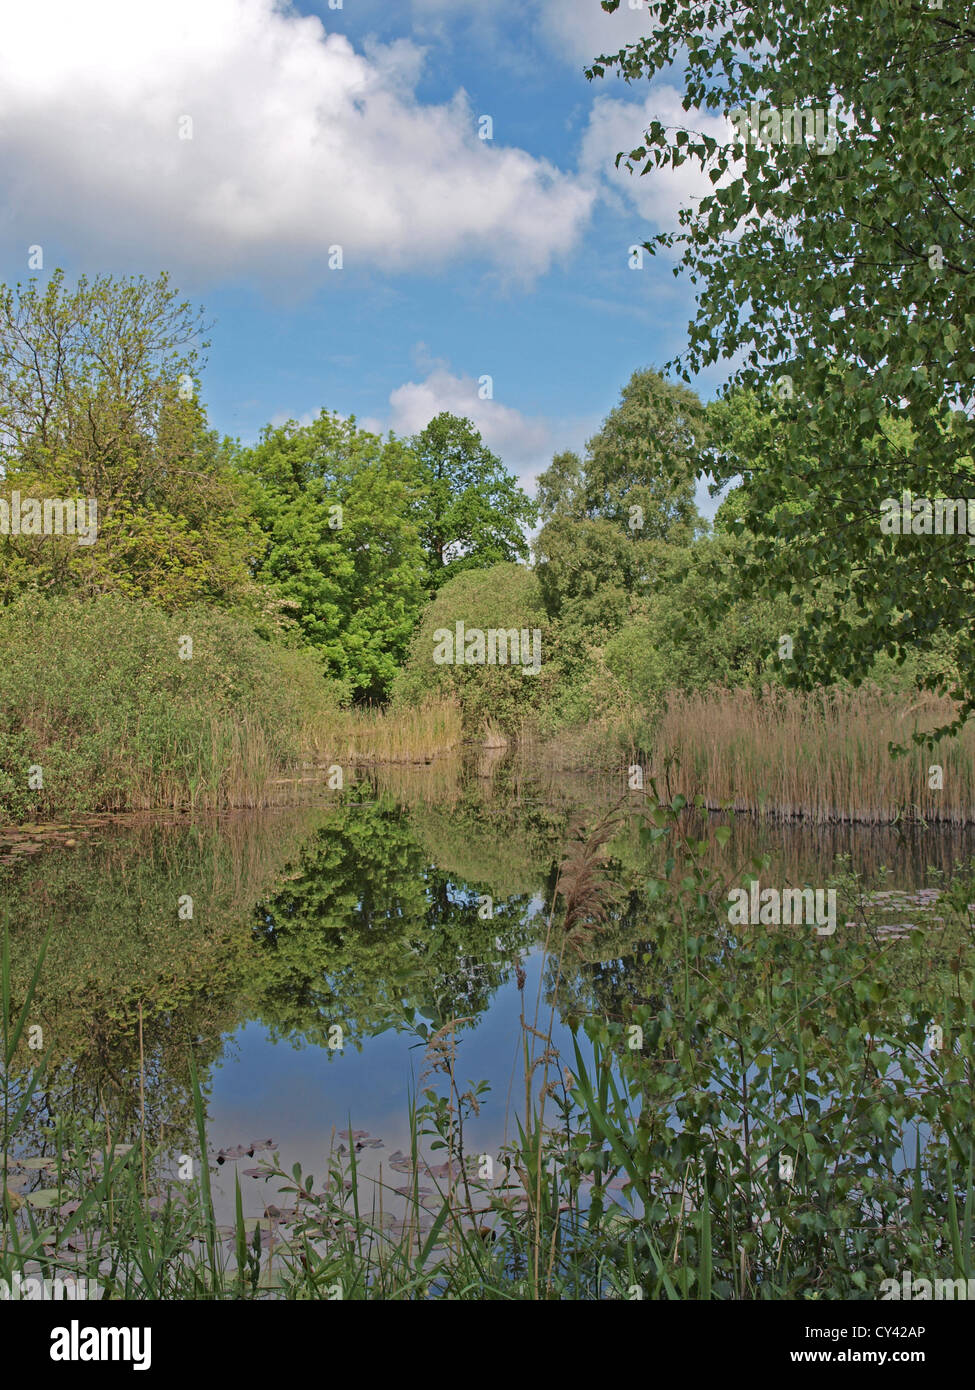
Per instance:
x=409, y=735
x=822, y=757
x=105, y=706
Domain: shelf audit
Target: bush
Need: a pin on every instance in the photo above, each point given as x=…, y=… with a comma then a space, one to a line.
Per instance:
x=506, y=696
x=96, y=694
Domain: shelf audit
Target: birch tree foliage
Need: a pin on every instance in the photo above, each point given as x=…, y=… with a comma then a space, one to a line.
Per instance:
x=836, y=268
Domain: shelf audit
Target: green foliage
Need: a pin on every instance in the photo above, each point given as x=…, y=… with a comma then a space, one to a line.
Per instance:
x=340, y=549
x=784, y=557
x=673, y=644
x=589, y=569
x=366, y=923
x=612, y=520
x=470, y=512
x=780, y=1118
x=96, y=695
x=504, y=596
x=841, y=275
x=648, y=454
x=617, y=528
x=559, y=490
x=747, y=1112
x=97, y=401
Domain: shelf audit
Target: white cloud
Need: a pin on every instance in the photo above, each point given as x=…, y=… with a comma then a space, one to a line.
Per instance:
x=581, y=30
x=619, y=125
x=281, y=417
x=522, y=442
x=298, y=143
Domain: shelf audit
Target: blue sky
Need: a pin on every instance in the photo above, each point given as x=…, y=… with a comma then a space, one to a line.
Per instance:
x=236, y=143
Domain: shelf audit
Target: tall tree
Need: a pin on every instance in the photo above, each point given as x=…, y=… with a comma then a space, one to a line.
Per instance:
x=470, y=511
x=339, y=544
x=613, y=519
x=835, y=258
x=98, y=400
x=559, y=490
x=647, y=456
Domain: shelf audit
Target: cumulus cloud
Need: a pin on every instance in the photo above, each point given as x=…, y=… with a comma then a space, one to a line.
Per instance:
x=616, y=125
x=581, y=30
x=299, y=143
x=522, y=442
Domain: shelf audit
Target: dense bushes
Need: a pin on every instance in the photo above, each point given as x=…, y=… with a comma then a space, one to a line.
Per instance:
x=96, y=696
x=505, y=696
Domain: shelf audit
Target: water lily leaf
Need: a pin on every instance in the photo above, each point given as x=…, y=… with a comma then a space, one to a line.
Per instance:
x=43, y=1197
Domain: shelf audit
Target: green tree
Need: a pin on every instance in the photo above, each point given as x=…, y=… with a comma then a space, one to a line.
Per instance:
x=673, y=642
x=647, y=456
x=781, y=538
x=469, y=510
x=98, y=400
x=838, y=267
x=503, y=694
x=614, y=519
x=340, y=548
x=559, y=491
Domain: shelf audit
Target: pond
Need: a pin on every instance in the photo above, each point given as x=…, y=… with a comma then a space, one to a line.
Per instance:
x=297, y=951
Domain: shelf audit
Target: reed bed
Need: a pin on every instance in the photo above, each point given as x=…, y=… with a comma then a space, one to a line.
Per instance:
x=112, y=705
x=374, y=735
x=823, y=757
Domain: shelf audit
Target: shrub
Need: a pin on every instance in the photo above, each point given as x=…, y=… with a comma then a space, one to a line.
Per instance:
x=96, y=694
x=502, y=596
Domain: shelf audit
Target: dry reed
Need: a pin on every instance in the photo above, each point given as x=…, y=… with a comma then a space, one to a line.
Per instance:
x=403, y=735
x=823, y=756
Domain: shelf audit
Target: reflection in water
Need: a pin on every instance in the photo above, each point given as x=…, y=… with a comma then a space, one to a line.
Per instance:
x=292, y=949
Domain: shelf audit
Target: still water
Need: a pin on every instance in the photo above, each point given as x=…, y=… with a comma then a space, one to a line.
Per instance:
x=295, y=951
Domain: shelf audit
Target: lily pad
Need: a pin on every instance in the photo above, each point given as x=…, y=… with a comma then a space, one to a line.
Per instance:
x=258, y=1223
x=43, y=1197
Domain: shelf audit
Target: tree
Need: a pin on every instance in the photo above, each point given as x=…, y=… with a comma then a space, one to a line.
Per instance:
x=837, y=265
x=500, y=692
x=839, y=625
x=559, y=490
x=470, y=512
x=643, y=464
x=612, y=520
x=673, y=643
x=98, y=401
x=339, y=544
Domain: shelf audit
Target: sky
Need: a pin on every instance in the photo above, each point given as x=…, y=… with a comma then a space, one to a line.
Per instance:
x=247, y=147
